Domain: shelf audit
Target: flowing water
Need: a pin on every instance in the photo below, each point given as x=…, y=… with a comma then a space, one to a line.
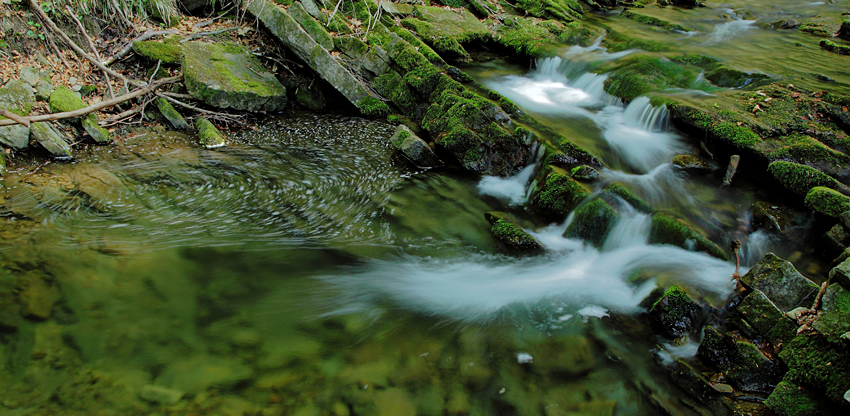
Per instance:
x=307, y=268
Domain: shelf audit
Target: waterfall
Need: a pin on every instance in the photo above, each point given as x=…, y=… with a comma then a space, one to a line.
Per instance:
x=512, y=189
x=638, y=135
x=640, y=113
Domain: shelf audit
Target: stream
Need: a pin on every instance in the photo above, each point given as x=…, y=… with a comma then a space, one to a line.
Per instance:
x=307, y=268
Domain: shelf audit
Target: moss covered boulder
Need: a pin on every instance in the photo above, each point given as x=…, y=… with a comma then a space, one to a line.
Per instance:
x=834, y=324
x=208, y=134
x=511, y=235
x=51, y=139
x=821, y=25
x=414, y=148
x=800, y=179
x=63, y=99
x=556, y=194
x=821, y=366
x=761, y=314
x=169, y=51
x=666, y=229
x=781, y=283
x=675, y=314
x=18, y=98
x=831, y=46
x=445, y=30
x=752, y=370
x=311, y=25
x=564, y=10
x=691, y=164
x=619, y=191
x=592, y=222
x=789, y=399
x=227, y=76
x=585, y=173
x=827, y=201
x=537, y=38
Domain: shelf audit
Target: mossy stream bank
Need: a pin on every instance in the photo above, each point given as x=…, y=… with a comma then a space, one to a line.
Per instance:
x=325, y=264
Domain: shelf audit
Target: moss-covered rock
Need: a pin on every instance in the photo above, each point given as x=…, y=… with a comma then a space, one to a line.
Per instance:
x=822, y=366
x=98, y=134
x=414, y=148
x=556, y=194
x=51, y=139
x=617, y=42
x=821, y=26
x=513, y=236
x=827, y=201
x=716, y=349
x=789, y=399
x=445, y=30
x=19, y=99
x=169, y=51
x=63, y=99
x=733, y=78
x=584, y=173
x=171, y=114
x=834, y=47
x=592, y=222
x=800, y=179
x=692, y=164
x=639, y=74
x=675, y=314
x=835, y=321
x=654, y=21
x=536, y=38
x=781, y=283
x=565, y=10
x=751, y=370
x=311, y=25
x=208, y=134
x=666, y=229
x=626, y=195
x=226, y=76
x=762, y=315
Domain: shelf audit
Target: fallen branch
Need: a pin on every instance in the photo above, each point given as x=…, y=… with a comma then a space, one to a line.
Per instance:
x=129, y=47
x=201, y=34
x=820, y=295
x=93, y=48
x=94, y=107
x=34, y=5
x=13, y=116
x=215, y=114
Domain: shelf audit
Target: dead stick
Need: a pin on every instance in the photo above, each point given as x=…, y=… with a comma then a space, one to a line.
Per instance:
x=34, y=5
x=189, y=106
x=129, y=47
x=58, y=53
x=93, y=48
x=212, y=32
x=820, y=295
x=13, y=116
x=94, y=107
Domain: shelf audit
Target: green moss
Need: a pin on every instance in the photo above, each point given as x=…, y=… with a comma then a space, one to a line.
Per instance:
x=640, y=74
x=827, y=201
x=168, y=51
x=417, y=43
x=63, y=99
x=585, y=173
x=628, y=196
x=171, y=114
x=790, y=399
x=617, y=42
x=373, y=107
x=315, y=29
x=732, y=78
x=674, y=313
x=834, y=47
x=339, y=24
x=818, y=364
x=557, y=194
x=654, y=21
x=800, y=179
x=835, y=321
x=208, y=133
x=668, y=230
x=566, y=10
x=821, y=25
x=697, y=60
x=512, y=235
x=592, y=222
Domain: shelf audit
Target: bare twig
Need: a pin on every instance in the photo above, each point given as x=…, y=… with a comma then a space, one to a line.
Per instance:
x=235, y=118
x=94, y=107
x=58, y=53
x=129, y=47
x=334, y=12
x=179, y=96
x=34, y=5
x=158, y=63
x=93, y=48
x=820, y=295
x=121, y=13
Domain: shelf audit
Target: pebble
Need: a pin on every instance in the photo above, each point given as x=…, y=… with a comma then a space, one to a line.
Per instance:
x=160, y=394
x=722, y=388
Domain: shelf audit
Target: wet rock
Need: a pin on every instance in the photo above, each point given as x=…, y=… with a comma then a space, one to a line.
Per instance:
x=38, y=298
x=789, y=399
x=763, y=316
x=783, y=24
x=51, y=139
x=209, y=135
x=160, y=394
x=769, y=216
x=692, y=164
x=751, y=370
x=841, y=273
x=821, y=26
x=570, y=355
x=511, y=235
x=311, y=25
x=675, y=314
x=693, y=382
x=827, y=201
x=171, y=114
x=556, y=194
x=666, y=229
x=716, y=349
x=781, y=283
x=227, y=76
x=98, y=134
x=196, y=374
x=734, y=160
x=290, y=33
x=414, y=148
x=835, y=320
x=585, y=173
x=592, y=222
x=17, y=98
x=621, y=192
x=834, y=241
x=833, y=47
x=733, y=78
x=819, y=365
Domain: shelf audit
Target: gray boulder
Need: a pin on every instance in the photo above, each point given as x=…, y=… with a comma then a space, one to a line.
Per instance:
x=781, y=283
x=226, y=76
x=18, y=98
x=311, y=25
x=414, y=148
x=51, y=139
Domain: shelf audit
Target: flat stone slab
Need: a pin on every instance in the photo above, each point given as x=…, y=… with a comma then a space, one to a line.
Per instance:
x=226, y=76
x=51, y=139
x=781, y=283
x=17, y=98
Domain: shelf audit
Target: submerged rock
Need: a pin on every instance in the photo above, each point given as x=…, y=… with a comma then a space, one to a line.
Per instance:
x=160, y=394
x=171, y=114
x=196, y=374
x=592, y=222
x=209, y=135
x=227, y=76
x=414, y=148
x=769, y=216
x=666, y=229
x=675, y=314
x=692, y=164
x=781, y=283
x=510, y=234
